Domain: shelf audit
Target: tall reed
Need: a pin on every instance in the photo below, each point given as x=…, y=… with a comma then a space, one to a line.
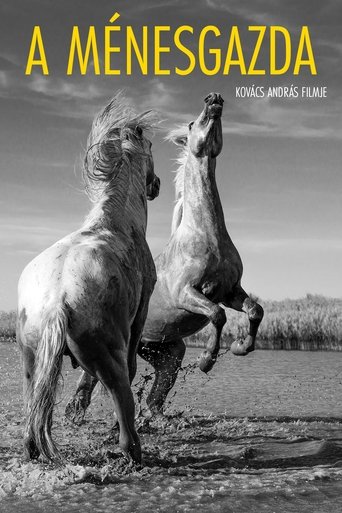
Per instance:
x=310, y=323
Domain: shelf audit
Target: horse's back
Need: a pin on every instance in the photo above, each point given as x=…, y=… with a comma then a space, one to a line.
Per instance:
x=94, y=276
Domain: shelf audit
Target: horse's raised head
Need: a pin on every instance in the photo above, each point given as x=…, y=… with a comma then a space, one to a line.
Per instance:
x=204, y=136
x=205, y=133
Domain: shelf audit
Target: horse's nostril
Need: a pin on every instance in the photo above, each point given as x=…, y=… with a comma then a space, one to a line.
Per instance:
x=217, y=98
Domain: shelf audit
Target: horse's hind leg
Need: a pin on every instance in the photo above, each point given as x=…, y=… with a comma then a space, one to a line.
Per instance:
x=166, y=359
x=78, y=404
x=110, y=367
x=115, y=378
x=28, y=359
x=243, y=303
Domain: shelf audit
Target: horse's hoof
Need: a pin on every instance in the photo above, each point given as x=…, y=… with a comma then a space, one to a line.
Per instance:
x=206, y=361
x=112, y=437
x=241, y=347
x=30, y=450
x=143, y=425
x=74, y=412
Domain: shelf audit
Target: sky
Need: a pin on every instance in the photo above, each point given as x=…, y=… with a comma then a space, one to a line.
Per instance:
x=279, y=173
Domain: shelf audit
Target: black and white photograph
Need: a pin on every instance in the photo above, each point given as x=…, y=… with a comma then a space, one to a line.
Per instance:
x=170, y=256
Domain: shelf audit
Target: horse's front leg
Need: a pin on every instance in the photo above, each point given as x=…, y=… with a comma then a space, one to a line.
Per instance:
x=78, y=404
x=241, y=302
x=193, y=301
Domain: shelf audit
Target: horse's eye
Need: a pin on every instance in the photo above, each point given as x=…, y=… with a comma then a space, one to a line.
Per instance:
x=190, y=125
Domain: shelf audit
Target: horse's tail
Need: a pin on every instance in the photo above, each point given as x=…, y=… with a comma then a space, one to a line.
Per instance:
x=49, y=357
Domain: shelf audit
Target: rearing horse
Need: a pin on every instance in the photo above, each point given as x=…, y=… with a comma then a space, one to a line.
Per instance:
x=87, y=295
x=198, y=269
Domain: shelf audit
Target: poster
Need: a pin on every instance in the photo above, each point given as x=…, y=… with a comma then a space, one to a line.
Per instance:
x=277, y=67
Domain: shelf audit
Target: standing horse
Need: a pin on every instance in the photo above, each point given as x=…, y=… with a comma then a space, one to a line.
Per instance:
x=87, y=295
x=198, y=269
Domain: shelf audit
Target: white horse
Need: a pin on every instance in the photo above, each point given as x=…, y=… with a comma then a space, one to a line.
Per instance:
x=87, y=295
x=198, y=270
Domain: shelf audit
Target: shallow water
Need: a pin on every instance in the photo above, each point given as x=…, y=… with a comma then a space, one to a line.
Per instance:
x=261, y=433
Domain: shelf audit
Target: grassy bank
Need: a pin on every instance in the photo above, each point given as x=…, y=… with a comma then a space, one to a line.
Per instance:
x=310, y=323
x=7, y=326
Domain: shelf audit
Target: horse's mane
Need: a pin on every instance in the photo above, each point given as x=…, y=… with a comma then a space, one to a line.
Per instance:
x=113, y=143
x=177, y=134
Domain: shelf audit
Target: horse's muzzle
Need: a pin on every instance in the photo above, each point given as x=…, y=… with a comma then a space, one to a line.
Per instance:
x=214, y=105
x=153, y=188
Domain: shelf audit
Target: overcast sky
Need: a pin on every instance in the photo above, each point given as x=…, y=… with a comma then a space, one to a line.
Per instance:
x=279, y=173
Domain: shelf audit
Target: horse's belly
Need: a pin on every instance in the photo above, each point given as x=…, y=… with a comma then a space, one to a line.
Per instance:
x=166, y=323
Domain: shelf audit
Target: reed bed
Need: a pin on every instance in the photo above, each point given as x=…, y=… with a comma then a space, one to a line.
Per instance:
x=310, y=323
x=7, y=326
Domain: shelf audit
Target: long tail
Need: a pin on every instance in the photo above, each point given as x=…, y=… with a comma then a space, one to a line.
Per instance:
x=49, y=357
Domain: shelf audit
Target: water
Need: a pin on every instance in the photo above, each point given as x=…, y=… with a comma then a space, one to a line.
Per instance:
x=261, y=433
x=268, y=383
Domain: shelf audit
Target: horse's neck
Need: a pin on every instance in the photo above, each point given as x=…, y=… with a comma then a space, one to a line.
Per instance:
x=201, y=201
x=123, y=204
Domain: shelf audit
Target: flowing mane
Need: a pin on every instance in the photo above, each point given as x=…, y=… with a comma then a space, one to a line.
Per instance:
x=179, y=136
x=113, y=143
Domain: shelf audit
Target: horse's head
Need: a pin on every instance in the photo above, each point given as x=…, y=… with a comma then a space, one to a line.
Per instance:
x=204, y=137
x=147, y=164
x=205, y=134
x=117, y=142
